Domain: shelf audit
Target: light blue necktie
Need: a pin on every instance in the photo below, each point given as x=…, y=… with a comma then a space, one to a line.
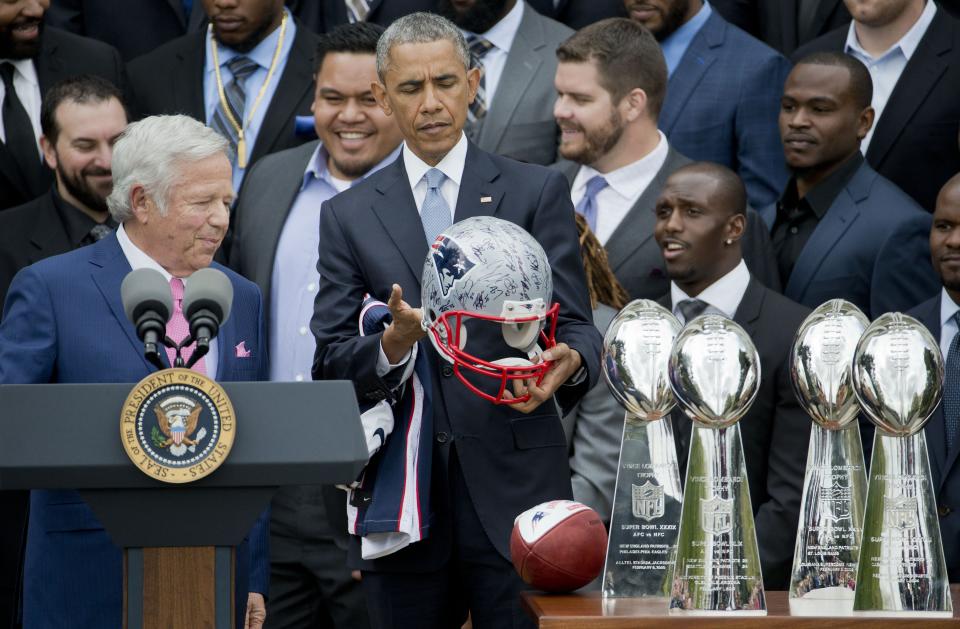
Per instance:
x=435, y=213
x=588, y=204
x=951, y=389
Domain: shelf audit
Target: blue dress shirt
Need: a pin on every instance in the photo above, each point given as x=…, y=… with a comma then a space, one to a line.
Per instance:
x=675, y=46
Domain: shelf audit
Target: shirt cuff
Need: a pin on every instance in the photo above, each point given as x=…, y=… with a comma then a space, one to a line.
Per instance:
x=407, y=362
x=575, y=379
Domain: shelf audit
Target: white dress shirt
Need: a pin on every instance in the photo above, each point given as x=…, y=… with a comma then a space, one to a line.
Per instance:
x=722, y=297
x=948, y=327
x=624, y=187
x=451, y=165
x=501, y=36
x=885, y=69
x=27, y=84
x=138, y=259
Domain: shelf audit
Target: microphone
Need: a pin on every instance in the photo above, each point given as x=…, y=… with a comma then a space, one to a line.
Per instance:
x=147, y=303
x=207, y=299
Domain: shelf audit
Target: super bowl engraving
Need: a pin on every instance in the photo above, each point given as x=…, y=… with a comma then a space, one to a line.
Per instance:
x=177, y=426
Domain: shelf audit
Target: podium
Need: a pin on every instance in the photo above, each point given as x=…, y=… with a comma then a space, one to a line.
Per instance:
x=303, y=433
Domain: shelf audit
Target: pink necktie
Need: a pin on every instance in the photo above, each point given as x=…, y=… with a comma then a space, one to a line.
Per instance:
x=178, y=328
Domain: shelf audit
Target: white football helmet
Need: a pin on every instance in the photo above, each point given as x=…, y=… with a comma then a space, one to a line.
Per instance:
x=489, y=269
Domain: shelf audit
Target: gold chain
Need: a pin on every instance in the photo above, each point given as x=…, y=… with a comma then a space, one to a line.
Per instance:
x=237, y=126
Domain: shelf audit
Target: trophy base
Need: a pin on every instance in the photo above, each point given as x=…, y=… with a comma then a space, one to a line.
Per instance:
x=904, y=615
x=647, y=606
x=831, y=601
x=718, y=613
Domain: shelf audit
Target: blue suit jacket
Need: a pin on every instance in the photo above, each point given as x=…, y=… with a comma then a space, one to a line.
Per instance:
x=943, y=463
x=370, y=238
x=722, y=104
x=64, y=322
x=871, y=248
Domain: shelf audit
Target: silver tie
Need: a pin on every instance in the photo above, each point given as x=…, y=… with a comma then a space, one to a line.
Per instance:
x=435, y=213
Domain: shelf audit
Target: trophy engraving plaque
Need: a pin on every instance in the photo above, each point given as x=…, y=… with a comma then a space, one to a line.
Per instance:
x=823, y=578
x=898, y=379
x=646, y=506
x=715, y=373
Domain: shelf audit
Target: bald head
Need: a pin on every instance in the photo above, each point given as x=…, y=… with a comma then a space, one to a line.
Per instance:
x=945, y=237
x=727, y=193
x=950, y=193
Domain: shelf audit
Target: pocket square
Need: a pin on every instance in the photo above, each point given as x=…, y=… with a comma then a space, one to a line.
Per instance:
x=242, y=351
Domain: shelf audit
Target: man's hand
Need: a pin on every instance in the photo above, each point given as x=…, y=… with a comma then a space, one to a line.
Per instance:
x=256, y=611
x=566, y=362
x=401, y=335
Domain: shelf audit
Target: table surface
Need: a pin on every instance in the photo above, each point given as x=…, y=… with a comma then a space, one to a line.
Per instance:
x=584, y=611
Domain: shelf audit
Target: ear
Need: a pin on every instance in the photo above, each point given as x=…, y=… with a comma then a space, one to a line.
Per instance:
x=49, y=152
x=636, y=104
x=473, y=81
x=736, y=225
x=865, y=122
x=380, y=94
x=141, y=204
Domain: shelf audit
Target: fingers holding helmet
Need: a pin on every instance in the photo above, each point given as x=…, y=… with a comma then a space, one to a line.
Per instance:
x=564, y=363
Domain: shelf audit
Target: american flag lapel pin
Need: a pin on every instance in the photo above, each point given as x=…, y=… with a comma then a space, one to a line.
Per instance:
x=486, y=199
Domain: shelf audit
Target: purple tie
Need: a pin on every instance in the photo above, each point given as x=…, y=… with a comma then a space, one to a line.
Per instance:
x=178, y=328
x=588, y=204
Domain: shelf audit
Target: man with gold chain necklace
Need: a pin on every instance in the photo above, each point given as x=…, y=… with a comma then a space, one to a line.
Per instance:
x=247, y=76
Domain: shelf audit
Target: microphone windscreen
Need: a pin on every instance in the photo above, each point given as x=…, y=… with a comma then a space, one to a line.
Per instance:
x=211, y=289
x=145, y=288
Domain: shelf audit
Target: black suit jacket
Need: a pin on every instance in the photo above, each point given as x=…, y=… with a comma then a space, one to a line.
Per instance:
x=775, y=21
x=579, y=13
x=138, y=28
x=169, y=80
x=944, y=469
x=775, y=431
x=62, y=55
x=324, y=15
x=370, y=238
x=914, y=144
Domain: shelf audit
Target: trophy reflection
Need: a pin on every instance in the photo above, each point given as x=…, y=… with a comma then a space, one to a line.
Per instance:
x=825, y=557
x=898, y=377
x=647, y=498
x=715, y=373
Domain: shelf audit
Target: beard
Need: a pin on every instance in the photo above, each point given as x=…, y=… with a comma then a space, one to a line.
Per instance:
x=597, y=142
x=10, y=48
x=354, y=169
x=82, y=190
x=256, y=36
x=479, y=18
x=672, y=20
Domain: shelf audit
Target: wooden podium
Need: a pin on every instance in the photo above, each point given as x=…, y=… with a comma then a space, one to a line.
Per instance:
x=587, y=611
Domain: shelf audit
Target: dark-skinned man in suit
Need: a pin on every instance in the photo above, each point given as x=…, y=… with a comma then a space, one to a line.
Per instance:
x=489, y=462
x=699, y=223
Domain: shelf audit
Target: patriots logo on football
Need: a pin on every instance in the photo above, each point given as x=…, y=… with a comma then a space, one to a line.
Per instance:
x=539, y=515
x=450, y=261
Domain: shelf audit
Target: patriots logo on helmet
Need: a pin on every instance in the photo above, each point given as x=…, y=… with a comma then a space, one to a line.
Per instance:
x=450, y=261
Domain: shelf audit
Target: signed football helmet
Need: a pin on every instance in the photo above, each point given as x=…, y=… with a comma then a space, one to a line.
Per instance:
x=485, y=269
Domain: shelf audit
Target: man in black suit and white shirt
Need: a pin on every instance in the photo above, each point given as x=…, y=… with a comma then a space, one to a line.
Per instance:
x=610, y=83
x=34, y=57
x=489, y=462
x=699, y=223
x=912, y=50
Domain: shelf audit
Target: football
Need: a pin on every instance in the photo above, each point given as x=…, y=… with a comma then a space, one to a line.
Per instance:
x=558, y=546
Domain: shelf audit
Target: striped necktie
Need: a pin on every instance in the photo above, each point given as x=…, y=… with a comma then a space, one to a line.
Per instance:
x=479, y=47
x=357, y=10
x=241, y=68
x=951, y=390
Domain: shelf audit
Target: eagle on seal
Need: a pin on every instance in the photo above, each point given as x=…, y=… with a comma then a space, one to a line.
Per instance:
x=178, y=427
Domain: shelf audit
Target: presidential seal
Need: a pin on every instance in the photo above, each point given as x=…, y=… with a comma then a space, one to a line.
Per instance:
x=177, y=425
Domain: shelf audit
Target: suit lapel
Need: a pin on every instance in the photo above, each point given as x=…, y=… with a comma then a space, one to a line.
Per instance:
x=829, y=231
x=788, y=22
x=921, y=74
x=397, y=212
x=748, y=312
x=226, y=345
x=521, y=67
x=824, y=10
x=48, y=237
x=294, y=85
x=188, y=79
x=692, y=68
x=177, y=7
x=479, y=195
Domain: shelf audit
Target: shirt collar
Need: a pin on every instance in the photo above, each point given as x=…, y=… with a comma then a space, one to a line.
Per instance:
x=627, y=181
x=317, y=167
x=948, y=307
x=25, y=68
x=822, y=196
x=451, y=165
x=502, y=33
x=677, y=43
x=137, y=258
x=76, y=222
x=723, y=295
x=262, y=53
x=907, y=44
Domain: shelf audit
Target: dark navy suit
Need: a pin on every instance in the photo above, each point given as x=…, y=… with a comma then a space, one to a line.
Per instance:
x=722, y=104
x=64, y=322
x=489, y=459
x=943, y=463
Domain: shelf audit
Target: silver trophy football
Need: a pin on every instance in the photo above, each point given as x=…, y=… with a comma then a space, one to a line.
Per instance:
x=646, y=505
x=715, y=374
x=898, y=378
x=825, y=557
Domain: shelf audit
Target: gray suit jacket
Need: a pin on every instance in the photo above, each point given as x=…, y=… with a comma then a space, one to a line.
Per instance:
x=594, y=429
x=519, y=123
x=635, y=257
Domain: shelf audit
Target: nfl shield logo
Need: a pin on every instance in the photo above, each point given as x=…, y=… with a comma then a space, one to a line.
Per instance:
x=834, y=502
x=900, y=512
x=716, y=515
x=647, y=501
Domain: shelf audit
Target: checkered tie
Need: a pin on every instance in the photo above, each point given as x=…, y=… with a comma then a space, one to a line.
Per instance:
x=178, y=328
x=588, y=204
x=478, y=48
x=691, y=309
x=951, y=389
x=435, y=213
x=357, y=10
x=241, y=68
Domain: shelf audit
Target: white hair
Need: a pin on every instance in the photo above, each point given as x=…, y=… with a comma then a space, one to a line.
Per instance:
x=152, y=153
x=419, y=28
